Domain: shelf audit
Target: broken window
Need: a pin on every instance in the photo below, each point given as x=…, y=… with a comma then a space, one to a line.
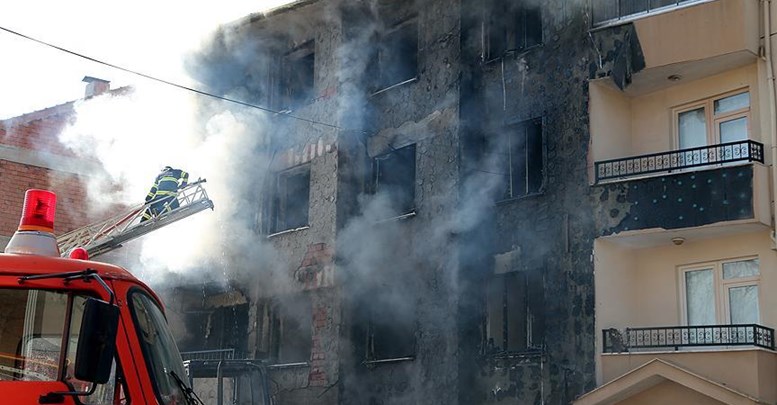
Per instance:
x=397, y=55
x=525, y=161
x=292, y=329
x=511, y=27
x=391, y=332
x=226, y=328
x=284, y=329
x=514, y=313
x=394, y=174
x=292, y=198
x=297, y=76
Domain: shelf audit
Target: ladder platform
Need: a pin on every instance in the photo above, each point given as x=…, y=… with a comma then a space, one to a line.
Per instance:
x=110, y=234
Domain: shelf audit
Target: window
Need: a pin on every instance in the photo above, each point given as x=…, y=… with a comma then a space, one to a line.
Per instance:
x=511, y=27
x=285, y=329
x=514, y=313
x=613, y=10
x=524, y=161
x=724, y=292
x=297, y=76
x=713, y=121
x=394, y=175
x=292, y=326
x=226, y=328
x=392, y=325
x=397, y=55
x=159, y=349
x=292, y=197
x=34, y=325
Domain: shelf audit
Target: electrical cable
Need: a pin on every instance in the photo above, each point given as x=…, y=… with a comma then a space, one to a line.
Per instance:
x=169, y=83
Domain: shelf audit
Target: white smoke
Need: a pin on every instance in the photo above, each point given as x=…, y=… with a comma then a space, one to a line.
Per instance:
x=135, y=135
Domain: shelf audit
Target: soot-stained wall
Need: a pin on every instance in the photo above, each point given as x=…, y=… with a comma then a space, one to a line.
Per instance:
x=677, y=201
x=547, y=231
x=426, y=272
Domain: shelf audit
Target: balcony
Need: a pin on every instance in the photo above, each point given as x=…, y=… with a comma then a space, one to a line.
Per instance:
x=614, y=11
x=717, y=364
x=677, y=37
x=675, y=337
x=714, y=190
x=668, y=162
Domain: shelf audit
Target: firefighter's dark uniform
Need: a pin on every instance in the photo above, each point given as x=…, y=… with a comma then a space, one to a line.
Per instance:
x=162, y=194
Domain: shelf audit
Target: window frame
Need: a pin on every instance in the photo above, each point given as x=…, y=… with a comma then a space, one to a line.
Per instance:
x=509, y=133
x=721, y=287
x=277, y=334
x=508, y=28
x=279, y=202
x=410, y=341
x=289, y=63
x=534, y=339
x=381, y=83
x=712, y=120
x=375, y=184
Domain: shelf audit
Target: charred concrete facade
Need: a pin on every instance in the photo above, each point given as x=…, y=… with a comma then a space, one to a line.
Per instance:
x=530, y=284
x=425, y=210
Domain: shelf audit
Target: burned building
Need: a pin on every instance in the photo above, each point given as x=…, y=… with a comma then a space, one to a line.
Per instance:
x=424, y=189
x=437, y=181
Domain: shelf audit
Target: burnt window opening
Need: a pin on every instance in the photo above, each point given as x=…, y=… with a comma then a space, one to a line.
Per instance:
x=284, y=329
x=524, y=159
x=394, y=174
x=391, y=331
x=510, y=27
x=291, y=199
x=515, y=318
x=226, y=328
x=297, y=77
x=396, y=58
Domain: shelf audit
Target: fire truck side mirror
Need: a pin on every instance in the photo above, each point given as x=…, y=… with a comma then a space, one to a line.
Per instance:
x=97, y=341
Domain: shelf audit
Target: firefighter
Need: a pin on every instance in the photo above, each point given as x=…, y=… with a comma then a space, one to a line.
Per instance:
x=162, y=195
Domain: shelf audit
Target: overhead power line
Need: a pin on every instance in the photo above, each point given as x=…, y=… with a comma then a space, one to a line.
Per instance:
x=169, y=83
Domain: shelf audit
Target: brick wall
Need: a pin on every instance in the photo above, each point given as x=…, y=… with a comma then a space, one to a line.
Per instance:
x=321, y=319
x=16, y=178
x=38, y=132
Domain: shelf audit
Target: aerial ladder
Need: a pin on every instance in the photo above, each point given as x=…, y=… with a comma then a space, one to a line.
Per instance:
x=111, y=233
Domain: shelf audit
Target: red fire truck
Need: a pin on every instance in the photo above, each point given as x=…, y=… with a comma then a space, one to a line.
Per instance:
x=75, y=331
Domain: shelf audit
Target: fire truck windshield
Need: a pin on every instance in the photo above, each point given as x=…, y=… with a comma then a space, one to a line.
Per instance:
x=163, y=360
x=35, y=324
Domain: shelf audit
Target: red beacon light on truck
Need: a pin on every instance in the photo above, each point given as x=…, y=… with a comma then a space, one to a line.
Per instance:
x=79, y=253
x=35, y=235
x=40, y=206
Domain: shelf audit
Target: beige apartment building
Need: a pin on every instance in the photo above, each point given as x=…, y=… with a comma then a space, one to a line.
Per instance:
x=682, y=159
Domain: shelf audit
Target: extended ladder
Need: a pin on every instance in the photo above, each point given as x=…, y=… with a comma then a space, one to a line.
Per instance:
x=109, y=234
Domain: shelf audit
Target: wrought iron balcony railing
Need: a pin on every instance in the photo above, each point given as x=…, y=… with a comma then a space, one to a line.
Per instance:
x=616, y=341
x=605, y=11
x=742, y=151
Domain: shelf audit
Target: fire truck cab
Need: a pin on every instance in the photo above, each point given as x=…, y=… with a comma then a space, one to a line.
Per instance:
x=74, y=331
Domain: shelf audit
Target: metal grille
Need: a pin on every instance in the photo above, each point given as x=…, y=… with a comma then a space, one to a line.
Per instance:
x=615, y=341
x=220, y=354
x=609, y=11
x=742, y=151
